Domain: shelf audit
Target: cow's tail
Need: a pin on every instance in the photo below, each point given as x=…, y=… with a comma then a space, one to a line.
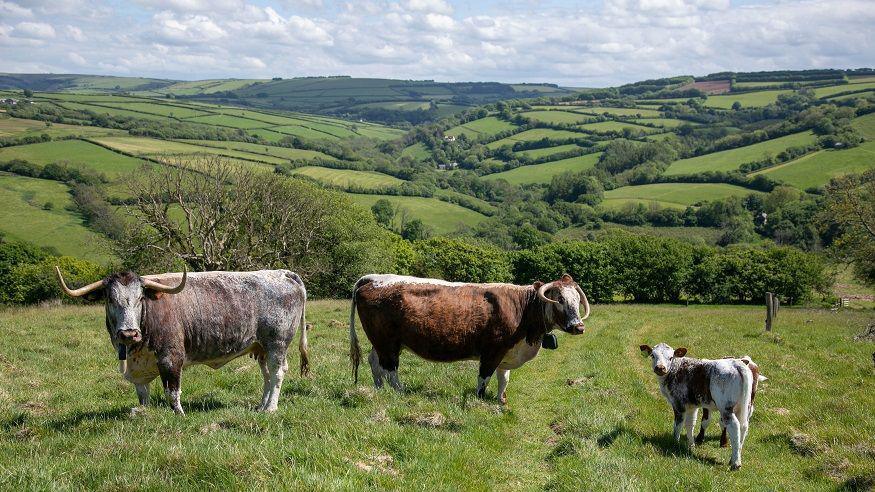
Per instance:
x=302, y=343
x=355, y=351
x=744, y=401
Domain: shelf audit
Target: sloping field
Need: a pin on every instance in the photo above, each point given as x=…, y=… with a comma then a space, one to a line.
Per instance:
x=23, y=216
x=664, y=122
x=169, y=110
x=816, y=169
x=207, y=86
x=747, y=99
x=543, y=173
x=730, y=160
x=442, y=217
x=601, y=110
x=678, y=195
x=257, y=149
x=536, y=134
x=18, y=127
x=345, y=177
x=838, y=89
x=417, y=151
x=100, y=109
x=76, y=153
x=701, y=235
x=865, y=125
x=613, y=126
x=587, y=416
x=537, y=153
x=153, y=147
x=557, y=117
x=483, y=127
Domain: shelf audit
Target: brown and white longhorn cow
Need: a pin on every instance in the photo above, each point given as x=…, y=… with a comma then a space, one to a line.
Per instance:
x=204, y=318
x=501, y=325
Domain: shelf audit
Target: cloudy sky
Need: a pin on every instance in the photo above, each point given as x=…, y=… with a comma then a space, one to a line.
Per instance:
x=586, y=43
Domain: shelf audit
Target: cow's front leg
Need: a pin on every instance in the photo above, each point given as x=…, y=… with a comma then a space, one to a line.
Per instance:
x=503, y=378
x=488, y=365
x=276, y=367
x=143, y=394
x=678, y=423
x=170, y=368
x=690, y=424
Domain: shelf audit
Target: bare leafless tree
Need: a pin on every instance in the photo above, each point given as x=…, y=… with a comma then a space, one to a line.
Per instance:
x=216, y=214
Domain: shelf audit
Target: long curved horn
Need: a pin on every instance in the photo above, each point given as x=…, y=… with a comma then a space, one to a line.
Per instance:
x=151, y=284
x=585, y=301
x=80, y=291
x=543, y=289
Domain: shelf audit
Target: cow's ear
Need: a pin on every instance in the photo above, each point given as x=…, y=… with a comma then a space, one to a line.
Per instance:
x=153, y=295
x=646, y=348
x=537, y=285
x=680, y=352
x=567, y=278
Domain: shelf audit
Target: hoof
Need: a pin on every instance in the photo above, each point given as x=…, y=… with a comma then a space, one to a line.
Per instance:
x=735, y=466
x=502, y=399
x=724, y=444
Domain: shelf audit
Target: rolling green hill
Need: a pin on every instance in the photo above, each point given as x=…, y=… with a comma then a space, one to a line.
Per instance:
x=730, y=160
x=672, y=195
x=441, y=216
x=543, y=173
x=76, y=153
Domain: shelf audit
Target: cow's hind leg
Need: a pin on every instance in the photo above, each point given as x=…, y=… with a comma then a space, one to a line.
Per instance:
x=503, y=378
x=376, y=369
x=265, y=391
x=170, y=369
x=706, y=419
x=276, y=368
x=389, y=363
x=488, y=365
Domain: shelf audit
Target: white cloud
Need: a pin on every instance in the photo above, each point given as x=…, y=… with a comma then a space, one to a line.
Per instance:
x=11, y=9
x=605, y=43
x=34, y=30
x=77, y=59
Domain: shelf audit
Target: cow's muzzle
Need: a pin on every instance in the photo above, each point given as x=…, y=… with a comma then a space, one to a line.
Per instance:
x=577, y=329
x=129, y=336
x=660, y=370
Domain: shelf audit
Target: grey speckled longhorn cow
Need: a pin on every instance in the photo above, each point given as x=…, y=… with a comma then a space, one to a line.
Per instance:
x=166, y=322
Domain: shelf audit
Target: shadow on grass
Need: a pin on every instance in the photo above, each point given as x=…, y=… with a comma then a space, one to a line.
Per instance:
x=78, y=417
x=667, y=446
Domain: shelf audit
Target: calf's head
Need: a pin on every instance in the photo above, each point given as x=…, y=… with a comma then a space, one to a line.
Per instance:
x=124, y=293
x=562, y=300
x=661, y=357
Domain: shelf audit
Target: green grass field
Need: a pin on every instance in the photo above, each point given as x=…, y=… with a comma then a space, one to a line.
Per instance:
x=17, y=127
x=417, y=151
x=258, y=149
x=730, y=160
x=535, y=134
x=697, y=235
x=442, y=217
x=664, y=122
x=838, y=89
x=587, y=416
x=747, y=99
x=76, y=153
x=483, y=127
x=677, y=195
x=816, y=169
x=537, y=153
x=23, y=216
x=144, y=146
x=345, y=178
x=601, y=110
x=557, y=117
x=543, y=173
x=614, y=126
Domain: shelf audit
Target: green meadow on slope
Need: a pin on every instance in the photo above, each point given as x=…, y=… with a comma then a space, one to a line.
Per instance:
x=672, y=195
x=730, y=160
x=441, y=216
x=588, y=416
x=543, y=173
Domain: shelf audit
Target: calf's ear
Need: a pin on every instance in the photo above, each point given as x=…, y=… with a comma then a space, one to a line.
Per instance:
x=646, y=348
x=680, y=352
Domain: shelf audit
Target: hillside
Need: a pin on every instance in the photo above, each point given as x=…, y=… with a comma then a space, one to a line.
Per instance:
x=556, y=162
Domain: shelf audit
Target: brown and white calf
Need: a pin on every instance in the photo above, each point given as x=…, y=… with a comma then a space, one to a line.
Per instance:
x=719, y=385
x=203, y=318
x=501, y=325
x=706, y=414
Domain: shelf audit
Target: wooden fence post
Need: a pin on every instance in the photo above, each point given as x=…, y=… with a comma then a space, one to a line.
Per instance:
x=770, y=307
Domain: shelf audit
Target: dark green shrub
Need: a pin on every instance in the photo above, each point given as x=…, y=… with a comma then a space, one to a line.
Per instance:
x=460, y=261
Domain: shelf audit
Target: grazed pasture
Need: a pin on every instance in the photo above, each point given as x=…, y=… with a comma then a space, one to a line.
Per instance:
x=586, y=416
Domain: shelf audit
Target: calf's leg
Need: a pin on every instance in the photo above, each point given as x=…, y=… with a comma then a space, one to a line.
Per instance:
x=734, y=428
x=265, y=390
x=706, y=419
x=503, y=378
x=678, y=423
x=276, y=366
x=690, y=424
